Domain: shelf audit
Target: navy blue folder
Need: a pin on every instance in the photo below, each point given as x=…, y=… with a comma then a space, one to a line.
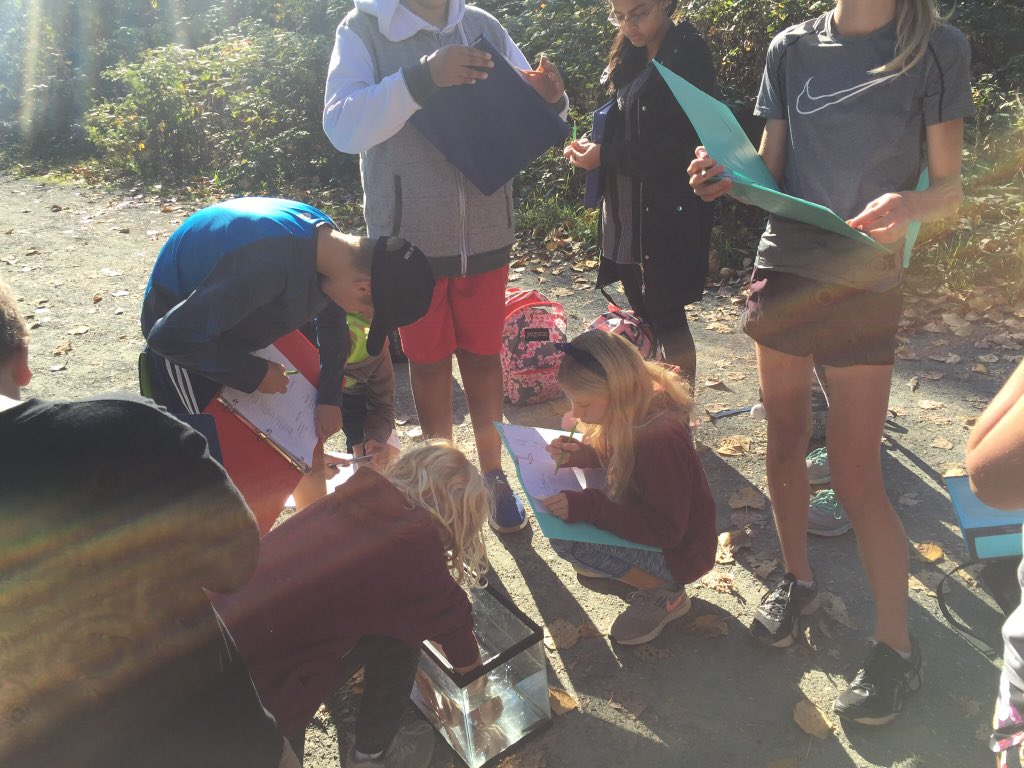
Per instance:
x=493, y=129
x=599, y=134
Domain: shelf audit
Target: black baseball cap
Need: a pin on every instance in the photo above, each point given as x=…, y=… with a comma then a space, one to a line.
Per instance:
x=402, y=287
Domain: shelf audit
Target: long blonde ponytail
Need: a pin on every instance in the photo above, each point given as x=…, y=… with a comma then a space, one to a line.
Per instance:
x=916, y=20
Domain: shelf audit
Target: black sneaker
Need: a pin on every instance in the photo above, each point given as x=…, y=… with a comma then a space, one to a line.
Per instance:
x=877, y=693
x=777, y=619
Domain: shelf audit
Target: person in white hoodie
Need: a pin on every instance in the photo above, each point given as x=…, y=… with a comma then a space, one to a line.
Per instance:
x=390, y=57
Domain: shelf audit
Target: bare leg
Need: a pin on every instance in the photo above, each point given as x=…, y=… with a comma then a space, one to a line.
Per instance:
x=432, y=392
x=859, y=396
x=481, y=377
x=642, y=579
x=785, y=383
x=312, y=486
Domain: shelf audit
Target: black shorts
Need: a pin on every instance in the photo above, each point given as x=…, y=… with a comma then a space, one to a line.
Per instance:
x=837, y=325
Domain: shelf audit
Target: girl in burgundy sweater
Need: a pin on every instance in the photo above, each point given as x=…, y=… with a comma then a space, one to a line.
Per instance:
x=636, y=427
x=358, y=580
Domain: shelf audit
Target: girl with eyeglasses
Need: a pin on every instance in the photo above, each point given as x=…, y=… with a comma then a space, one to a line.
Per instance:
x=636, y=426
x=655, y=235
x=858, y=102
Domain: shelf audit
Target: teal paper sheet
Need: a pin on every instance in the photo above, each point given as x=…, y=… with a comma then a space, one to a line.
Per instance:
x=753, y=183
x=536, y=471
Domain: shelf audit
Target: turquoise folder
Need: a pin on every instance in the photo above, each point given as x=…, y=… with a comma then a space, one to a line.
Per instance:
x=752, y=182
x=551, y=526
x=988, y=532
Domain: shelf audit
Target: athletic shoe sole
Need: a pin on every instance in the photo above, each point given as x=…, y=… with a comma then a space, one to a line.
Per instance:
x=830, y=532
x=669, y=618
x=505, y=529
x=789, y=639
x=913, y=686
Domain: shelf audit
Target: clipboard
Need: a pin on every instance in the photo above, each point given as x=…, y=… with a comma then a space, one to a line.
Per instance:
x=752, y=182
x=284, y=421
x=262, y=475
x=599, y=134
x=493, y=129
x=538, y=477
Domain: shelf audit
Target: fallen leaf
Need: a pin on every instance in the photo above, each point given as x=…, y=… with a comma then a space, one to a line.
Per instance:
x=716, y=384
x=731, y=542
x=97, y=298
x=62, y=349
x=735, y=376
x=763, y=568
x=909, y=500
x=932, y=375
x=119, y=294
x=111, y=272
x=964, y=330
x=930, y=405
x=720, y=582
x=979, y=368
x=953, y=470
x=58, y=367
x=812, y=720
x=914, y=383
x=719, y=327
x=748, y=496
x=836, y=609
x=734, y=445
x=988, y=358
x=586, y=629
x=562, y=635
x=929, y=551
x=79, y=330
x=414, y=432
x=561, y=702
x=710, y=625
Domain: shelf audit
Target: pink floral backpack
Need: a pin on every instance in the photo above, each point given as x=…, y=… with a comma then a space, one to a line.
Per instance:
x=529, y=360
x=625, y=323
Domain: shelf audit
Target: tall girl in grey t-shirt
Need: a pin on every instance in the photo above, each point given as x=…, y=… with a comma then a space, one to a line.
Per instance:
x=858, y=102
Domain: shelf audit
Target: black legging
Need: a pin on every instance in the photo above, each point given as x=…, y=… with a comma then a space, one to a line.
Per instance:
x=670, y=326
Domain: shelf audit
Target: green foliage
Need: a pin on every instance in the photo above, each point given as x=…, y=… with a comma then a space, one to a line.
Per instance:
x=240, y=109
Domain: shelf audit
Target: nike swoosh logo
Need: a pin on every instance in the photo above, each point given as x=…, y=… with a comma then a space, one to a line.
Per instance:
x=807, y=104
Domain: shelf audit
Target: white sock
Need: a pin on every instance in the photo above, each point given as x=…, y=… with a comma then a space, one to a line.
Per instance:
x=905, y=655
x=805, y=584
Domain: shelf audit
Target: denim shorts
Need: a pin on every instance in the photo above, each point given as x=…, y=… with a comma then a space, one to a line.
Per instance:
x=613, y=561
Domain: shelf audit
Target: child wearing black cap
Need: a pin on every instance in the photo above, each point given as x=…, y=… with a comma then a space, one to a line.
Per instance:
x=237, y=276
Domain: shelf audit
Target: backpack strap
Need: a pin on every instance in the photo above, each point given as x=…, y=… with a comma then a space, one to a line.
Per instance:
x=958, y=625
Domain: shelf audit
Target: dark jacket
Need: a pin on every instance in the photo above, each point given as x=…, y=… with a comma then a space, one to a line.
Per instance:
x=654, y=151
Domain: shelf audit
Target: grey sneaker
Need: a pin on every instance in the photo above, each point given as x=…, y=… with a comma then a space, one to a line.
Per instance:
x=412, y=747
x=777, y=619
x=818, y=472
x=648, y=612
x=825, y=517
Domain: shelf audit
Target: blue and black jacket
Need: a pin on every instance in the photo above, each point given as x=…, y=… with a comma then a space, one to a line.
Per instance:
x=236, y=277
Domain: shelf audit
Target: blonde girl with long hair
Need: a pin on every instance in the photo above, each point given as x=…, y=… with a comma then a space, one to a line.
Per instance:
x=358, y=580
x=858, y=103
x=635, y=425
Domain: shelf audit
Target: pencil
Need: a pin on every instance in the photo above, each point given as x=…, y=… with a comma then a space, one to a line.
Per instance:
x=291, y=373
x=562, y=455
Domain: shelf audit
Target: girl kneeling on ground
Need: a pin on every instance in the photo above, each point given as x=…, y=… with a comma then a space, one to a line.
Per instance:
x=359, y=579
x=636, y=426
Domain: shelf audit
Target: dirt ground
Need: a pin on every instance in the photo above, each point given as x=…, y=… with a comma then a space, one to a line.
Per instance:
x=704, y=693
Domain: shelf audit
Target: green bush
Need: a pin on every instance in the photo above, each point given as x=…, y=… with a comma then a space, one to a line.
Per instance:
x=244, y=110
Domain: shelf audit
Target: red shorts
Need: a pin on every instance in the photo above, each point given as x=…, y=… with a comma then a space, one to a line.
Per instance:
x=466, y=313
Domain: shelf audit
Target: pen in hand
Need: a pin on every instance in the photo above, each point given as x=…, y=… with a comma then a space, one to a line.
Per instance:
x=562, y=455
x=353, y=460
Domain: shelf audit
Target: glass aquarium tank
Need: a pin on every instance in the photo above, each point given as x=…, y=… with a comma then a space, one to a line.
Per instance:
x=485, y=712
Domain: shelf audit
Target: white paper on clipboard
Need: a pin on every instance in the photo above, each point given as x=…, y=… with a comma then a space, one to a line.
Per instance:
x=285, y=419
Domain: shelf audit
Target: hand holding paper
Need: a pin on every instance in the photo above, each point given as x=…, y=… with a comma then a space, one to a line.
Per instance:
x=886, y=218
x=708, y=177
x=557, y=505
x=546, y=80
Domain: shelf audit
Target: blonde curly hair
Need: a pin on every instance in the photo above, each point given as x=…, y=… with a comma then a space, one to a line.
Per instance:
x=440, y=479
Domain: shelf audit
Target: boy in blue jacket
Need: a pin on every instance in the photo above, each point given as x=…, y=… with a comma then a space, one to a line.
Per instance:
x=239, y=275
